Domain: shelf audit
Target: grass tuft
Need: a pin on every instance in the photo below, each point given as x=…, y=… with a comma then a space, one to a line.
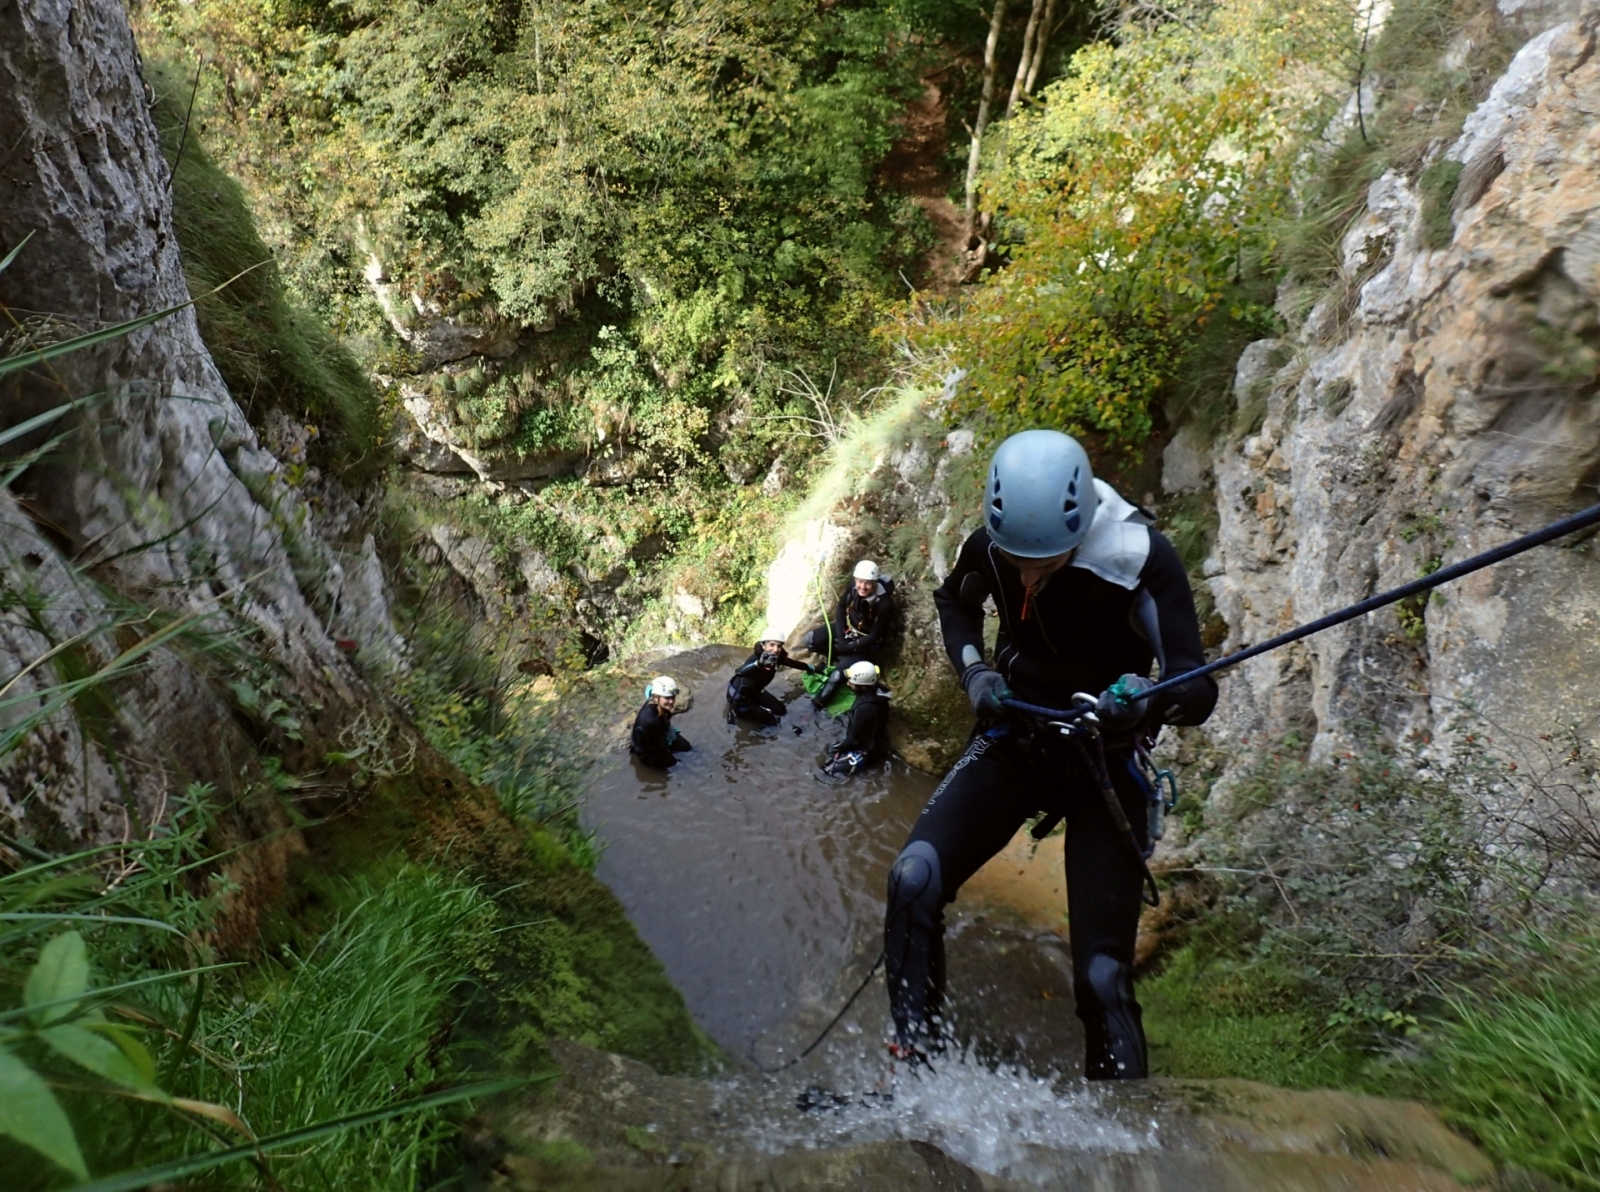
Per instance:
x=1517, y=1064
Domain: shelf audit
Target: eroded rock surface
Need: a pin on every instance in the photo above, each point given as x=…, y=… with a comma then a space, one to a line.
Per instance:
x=611, y=1124
x=1435, y=404
x=163, y=503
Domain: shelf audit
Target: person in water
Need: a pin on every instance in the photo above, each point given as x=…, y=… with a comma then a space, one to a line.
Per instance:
x=654, y=741
x=1089, y=596
x=859, y=627
x=748, y=697
x=866, y=724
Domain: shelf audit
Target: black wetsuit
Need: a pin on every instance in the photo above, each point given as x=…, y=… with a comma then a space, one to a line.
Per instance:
x=866, y=732
x=1074, y=633
x=860, y=624
x=748, y=697
x=654, y=740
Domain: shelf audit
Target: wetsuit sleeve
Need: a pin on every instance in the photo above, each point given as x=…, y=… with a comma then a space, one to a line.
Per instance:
x=841, y=612
x=1164, y=578
x=792, y=664
x=959, y=622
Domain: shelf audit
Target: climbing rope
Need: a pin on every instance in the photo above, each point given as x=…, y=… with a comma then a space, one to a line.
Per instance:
x=1567, y=525
x=827, y=1030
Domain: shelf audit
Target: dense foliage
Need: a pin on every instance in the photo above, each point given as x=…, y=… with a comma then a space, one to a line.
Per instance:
x=699, y=182
x=1134, y=205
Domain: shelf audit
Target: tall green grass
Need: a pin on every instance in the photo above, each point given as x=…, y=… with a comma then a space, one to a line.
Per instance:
x=356, y=1017
x=361, y=1016
x=1517, y=1063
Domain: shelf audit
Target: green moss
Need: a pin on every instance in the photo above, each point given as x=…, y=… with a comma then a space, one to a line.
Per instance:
x=564, y=961
x=1210, y=1017
x=1438, y=186
x=271, y=353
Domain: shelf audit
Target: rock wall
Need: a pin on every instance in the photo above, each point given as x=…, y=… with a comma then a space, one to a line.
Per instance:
x=162, y=502
x=1436, y=402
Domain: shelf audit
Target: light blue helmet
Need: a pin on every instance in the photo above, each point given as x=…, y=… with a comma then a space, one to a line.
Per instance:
x=1041, y=499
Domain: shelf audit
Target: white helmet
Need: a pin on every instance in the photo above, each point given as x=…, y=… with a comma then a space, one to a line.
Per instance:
x=772, y=634
x=862, y=674
x=1041, y=500
x=867, y=569
x=664, y=685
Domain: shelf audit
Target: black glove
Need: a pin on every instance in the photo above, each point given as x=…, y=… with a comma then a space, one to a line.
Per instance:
x=680, y=743
x=850, y=642
x=1118, y=711
x=985, y=687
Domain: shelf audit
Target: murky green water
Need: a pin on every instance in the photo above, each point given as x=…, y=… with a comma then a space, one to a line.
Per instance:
x=754, y=882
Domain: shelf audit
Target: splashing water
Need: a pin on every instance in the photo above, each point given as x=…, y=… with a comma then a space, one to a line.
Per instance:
x=998, y=1118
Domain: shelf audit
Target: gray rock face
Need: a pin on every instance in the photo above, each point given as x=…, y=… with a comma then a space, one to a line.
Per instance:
x=164, y=496
x=1439, y=404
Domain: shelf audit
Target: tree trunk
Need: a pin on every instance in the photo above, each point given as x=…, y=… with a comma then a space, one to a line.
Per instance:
x=1046, y=27
x=1030, y=38
x=990, y=55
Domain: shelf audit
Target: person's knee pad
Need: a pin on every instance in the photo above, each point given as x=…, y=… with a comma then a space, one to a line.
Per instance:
x=915, y=883
x=1111, y=984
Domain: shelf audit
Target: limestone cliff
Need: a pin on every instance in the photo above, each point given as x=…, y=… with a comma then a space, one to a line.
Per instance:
x=1436, y=401
x=161, y=507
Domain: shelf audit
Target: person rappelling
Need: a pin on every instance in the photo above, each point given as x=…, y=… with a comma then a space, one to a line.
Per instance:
x=866, y=734
x=748, y=697
x=654, y=741
x=1089, y=596
x=858, y=629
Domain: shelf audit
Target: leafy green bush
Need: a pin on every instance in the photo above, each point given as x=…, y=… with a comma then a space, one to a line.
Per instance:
x=703, y=178
x=1132, y=204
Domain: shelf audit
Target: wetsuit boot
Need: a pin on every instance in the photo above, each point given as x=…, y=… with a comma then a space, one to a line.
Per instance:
x=1112, y=1025
x=828, y=690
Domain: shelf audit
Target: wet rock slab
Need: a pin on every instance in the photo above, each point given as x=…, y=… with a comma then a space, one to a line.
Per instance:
x=613, y=1125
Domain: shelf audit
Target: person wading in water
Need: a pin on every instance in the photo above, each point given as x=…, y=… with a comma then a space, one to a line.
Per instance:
x=748, y=697
x=1088, y=596
x=654, y=741
x=866, y=724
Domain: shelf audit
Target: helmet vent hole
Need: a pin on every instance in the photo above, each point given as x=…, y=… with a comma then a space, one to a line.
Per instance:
x=1073, y=523
x=999, y=505
x=1069, y=506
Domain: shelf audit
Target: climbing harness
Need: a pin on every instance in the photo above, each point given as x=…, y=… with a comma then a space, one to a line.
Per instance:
x=1083, y=730
x=1567, y=525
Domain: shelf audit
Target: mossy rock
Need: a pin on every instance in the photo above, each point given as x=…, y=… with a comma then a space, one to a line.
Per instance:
x=566, y=962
